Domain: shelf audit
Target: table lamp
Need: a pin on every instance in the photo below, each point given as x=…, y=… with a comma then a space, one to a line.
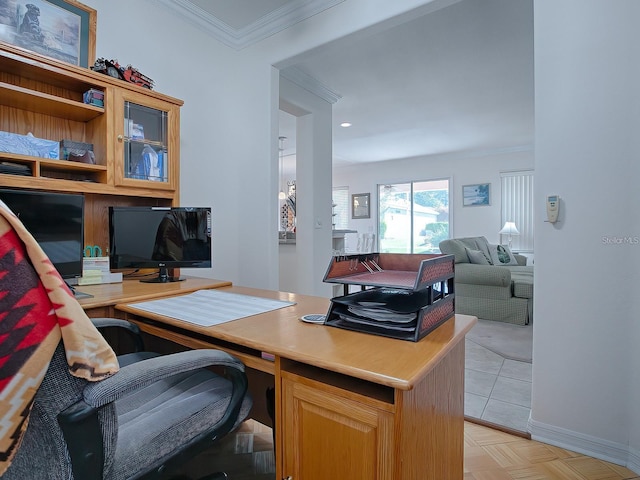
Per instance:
x=509, y=229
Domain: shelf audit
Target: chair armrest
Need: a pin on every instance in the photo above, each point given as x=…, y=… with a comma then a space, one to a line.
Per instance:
x=80, y=425
x=130, y=328
x=490, y=275
x=141, y=374
x=103, y=322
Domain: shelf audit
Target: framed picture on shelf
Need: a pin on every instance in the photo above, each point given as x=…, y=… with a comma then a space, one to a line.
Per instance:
x=360, y=205
x=476, y=195
x=64, y=30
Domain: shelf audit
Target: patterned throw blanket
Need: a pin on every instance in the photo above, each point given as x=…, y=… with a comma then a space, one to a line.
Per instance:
x=37, y=310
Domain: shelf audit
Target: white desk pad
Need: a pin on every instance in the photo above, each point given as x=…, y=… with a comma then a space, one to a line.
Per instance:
x=210, y=307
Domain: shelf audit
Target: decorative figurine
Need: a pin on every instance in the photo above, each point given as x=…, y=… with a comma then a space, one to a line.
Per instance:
x=129, y=74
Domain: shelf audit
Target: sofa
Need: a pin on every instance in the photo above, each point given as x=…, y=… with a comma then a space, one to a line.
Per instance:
x=490, y=281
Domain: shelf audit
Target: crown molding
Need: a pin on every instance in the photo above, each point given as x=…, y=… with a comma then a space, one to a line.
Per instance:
x=267, y=25
x=309, y=83
x=347, y=163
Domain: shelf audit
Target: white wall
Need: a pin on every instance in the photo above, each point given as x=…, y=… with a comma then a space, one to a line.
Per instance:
x=585, y=361
x=186, y=63
x=461, y=169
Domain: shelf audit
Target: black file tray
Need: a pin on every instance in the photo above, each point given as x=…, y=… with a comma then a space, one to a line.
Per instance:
x=420, y=298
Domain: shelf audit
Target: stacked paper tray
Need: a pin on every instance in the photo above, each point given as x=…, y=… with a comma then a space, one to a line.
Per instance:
x=393, y=312
x=410, y=271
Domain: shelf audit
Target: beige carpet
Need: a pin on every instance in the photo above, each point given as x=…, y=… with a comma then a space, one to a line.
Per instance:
x=514, y=342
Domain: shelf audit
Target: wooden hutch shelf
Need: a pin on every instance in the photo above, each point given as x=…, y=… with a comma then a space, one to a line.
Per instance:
x=44, y=97
x=37, y=102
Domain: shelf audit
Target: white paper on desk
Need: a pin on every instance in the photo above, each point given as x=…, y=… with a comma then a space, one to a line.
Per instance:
x=210, y=307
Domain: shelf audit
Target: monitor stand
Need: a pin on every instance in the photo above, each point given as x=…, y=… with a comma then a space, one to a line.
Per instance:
x=163, y=277
x=80, y=295
x=77, y=293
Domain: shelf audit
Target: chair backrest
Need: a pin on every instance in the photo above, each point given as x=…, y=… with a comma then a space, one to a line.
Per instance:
x=43, y=452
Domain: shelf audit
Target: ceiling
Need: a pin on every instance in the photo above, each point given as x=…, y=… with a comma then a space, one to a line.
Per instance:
x=457, y=81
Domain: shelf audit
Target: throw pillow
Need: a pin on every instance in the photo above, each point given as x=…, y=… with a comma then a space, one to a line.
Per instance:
x=477, y=257
x=501, y=255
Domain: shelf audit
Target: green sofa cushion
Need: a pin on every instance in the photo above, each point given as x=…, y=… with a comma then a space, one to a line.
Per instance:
x=501, y=255
x=477, y=257
x=457, y=247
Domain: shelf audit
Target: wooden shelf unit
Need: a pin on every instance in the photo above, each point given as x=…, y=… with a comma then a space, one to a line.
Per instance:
x=44, y=97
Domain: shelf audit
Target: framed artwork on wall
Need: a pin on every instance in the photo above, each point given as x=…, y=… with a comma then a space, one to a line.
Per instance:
x=360, y=205
x=61, y=29
x=476, y=195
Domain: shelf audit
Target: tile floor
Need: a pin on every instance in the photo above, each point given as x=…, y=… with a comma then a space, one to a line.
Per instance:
x=497, y=390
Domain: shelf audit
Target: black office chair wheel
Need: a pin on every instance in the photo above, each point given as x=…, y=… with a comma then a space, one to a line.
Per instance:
x=216, y=476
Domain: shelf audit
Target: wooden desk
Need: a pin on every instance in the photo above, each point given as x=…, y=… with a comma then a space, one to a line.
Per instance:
x=348, y=404
x=106, y=296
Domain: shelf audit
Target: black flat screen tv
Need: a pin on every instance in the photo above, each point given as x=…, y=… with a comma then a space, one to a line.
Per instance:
x=56, y=221
x=160, y=237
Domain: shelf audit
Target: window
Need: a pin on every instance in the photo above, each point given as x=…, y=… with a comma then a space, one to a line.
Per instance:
x=340, y=208
x=413, y=217
x=517, y=207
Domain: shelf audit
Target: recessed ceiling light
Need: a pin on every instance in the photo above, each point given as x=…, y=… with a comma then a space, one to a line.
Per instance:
x=345, y=124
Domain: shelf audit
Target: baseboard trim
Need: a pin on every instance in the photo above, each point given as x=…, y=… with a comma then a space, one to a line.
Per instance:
x=634, y=461
x=495, y=426
x=586, y=444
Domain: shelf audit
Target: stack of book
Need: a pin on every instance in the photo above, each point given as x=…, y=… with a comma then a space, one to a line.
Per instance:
x=95, y=270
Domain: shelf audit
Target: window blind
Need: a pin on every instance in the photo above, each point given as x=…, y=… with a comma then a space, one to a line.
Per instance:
x=340, y=209
x=517, y=207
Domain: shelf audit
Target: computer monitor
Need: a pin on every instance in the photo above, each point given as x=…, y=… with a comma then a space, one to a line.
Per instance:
x=56, y=221
x=160, y=237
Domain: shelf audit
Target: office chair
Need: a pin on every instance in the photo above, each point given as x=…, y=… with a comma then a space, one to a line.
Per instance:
x=141, y=422
x=137, y=354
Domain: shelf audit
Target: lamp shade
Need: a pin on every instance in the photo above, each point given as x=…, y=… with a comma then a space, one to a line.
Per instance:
x=509, y=229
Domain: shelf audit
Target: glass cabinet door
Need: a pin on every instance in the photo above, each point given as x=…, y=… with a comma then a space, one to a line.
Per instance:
x=147, y=155
x=145, y=143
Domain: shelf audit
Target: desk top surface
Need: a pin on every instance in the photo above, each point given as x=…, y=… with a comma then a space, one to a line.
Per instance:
x=395, y=363
x=135, y=291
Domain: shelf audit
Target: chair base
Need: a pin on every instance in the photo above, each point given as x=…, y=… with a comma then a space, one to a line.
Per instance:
x=212, y=476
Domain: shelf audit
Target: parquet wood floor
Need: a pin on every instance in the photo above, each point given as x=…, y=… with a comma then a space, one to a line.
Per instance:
x=488, y=455
x=493, y=455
